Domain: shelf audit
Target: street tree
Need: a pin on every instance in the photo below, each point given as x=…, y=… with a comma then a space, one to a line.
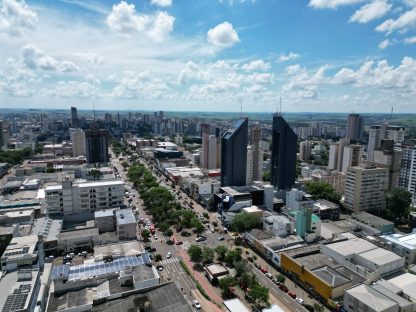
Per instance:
x=207, y=255
x=259, y=294
x=397, y=204
x=245, y=222
x=225, y=285
x=195, y=253
x=221, y=251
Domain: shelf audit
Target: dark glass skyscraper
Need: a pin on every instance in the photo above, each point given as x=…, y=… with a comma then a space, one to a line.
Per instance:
x=284, y=146
x=234, y=154
x=96, y=146
x=74, y=117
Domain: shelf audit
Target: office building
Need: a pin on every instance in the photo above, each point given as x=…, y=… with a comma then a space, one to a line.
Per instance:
x=380, y=132
x=365, y=188
x=205, y=145
x=283, y=160
x=305, y=149
x=351, y=156
x=257, y=154
x=74, y=117
x=249, y=167
x=234, y=154
x=212, y=152
x=77, y=137
x=355, y=124
x=407, y=177
x=333, y=156
x=79, y=200
x=2, y=140
x=96, y=142
x=389, y=156
x=45, y=122
x=403, y=245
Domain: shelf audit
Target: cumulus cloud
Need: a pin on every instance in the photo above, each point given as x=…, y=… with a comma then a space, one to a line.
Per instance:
x=162, y=3
x=256, y=65
x=331, y=4
x=125, y=20
x=35, y=58
x=288, y=57
x=410, y=40
x=406, y=20
x=16, y=17
x=384, y=44
x=92, y=59
x=223, y=35
x=371, y=11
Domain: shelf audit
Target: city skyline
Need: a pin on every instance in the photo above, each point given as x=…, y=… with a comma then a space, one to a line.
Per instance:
x=319, y=55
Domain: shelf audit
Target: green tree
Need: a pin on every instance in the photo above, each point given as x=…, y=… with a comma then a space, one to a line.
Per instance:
x=322, y=190
x=245, y=222
x=259, y=294
x=96, y=174
x=146, y=235
x=221, y=251
x=241, y=267
x=125, y=164
x=397, y=204
x=158, y=257
x=280, y=278
x=247, y=280
x=232, y=257
x=207, y=255
x=318, y=307
x=266, y=176
x=195, y=253
x=225, y=285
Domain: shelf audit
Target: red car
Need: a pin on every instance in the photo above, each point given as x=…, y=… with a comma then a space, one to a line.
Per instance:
x=263, y=270
x=283, y=288
x=292, y=294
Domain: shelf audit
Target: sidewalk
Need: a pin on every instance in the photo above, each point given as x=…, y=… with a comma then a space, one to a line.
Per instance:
x=215, y=298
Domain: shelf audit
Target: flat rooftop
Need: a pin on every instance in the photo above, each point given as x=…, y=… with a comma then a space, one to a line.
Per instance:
x=277, y=243
x=76, y=234
x=371, y=297
x=380, y=256
x=351, y=246
x=407, y=241
x=125, y=216
x=72, y=299
x=370, y=219
x=407, y=282
x=117, y=250
x=330, y=276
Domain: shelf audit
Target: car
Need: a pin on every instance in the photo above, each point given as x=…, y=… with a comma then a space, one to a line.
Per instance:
x=268, y=275
x=196, y=304
x=221, y=238
x=200, y=239
x=292, y=294
x=300, y=301
x=159, y=267
x=168, y=255
x=155, y=236
x=179, y=243
x=263, y=270
x=283, y=288
x=257, y=265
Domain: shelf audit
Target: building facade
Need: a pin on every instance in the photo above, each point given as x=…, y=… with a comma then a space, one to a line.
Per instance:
x=96, y=142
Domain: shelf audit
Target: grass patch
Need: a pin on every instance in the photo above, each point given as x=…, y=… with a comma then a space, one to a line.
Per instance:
x=198, y=285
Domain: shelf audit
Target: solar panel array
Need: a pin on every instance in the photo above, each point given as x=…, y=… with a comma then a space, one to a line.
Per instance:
x=88, y=270
x=16, y=301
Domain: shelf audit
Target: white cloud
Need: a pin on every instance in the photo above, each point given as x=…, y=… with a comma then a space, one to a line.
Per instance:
x=256, y=65
x=223, y=35
x=124, y=19
x=331, y=4
x=162, y=3
x=232, y=2
x=92, y=59
x=406, y=20
x=16, y=17
x=261, y=78
x=410, y=40
x=384, y=44
x=162, y=27
x=288, y=57
x=70, y=89
x=35, y=58
x=371, y=11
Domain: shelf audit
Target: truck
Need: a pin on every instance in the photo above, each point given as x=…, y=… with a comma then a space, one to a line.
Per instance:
x=152, y=229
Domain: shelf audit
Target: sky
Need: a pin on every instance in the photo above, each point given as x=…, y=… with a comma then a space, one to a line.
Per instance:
x=209, y=55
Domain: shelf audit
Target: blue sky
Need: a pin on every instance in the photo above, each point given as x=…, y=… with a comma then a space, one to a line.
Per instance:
x=209, y=55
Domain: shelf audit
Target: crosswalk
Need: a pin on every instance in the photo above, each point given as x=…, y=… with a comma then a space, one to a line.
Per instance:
x=186, y=245
x=167, y=261
x=161, y=239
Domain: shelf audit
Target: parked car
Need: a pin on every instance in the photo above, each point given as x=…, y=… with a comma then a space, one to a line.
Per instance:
x=268, y=275
x=196, y=304
x=300, y=301
x=283, y=288
x=263, y=270
x=200, y=239
x=292, y=294
x=168, y=255
x=257, y=265
x=221, y=238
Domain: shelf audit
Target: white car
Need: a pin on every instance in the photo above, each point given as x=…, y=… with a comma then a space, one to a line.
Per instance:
x=168, y=255
x=196, y=304
x=300, y=301
x=155, y=236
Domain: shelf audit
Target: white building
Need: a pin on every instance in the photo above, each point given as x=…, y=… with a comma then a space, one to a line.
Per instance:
x=407, y=179
x=351, y=157
x=403, y=245
x=333, y=156
x=296, y=199
x=305, y=149
x=77, y=137
x=78, y=200
x=126, y=224
x=365, y=188
x=21, y=252
x=212, y=152
x=278, y=225
x=380, y=132
x=249, y=167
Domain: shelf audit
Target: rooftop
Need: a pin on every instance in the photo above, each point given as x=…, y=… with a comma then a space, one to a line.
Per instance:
x=104, y=213
x=324, y=204
x=407, y=241
x=406, y=282
x=380, y=256
x=259, y=234
x=71, y=299
x=216, y=269
x=48, y=227
x=368, y=218
x=371, y=297
x=75, y=234
x=125, y=216
x=330, y=276
x=235, y=305
x=351, y=246
x=117, y=250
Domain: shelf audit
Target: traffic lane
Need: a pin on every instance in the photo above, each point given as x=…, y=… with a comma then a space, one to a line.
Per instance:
x=288, y=301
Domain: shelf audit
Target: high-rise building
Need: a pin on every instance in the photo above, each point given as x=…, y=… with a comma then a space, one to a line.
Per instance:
x=305, y=149
x=407, y=179
x=333, y=156
x=351, y=156
x=212, y=152
x=77, y=137
x=257, y=154
x=249, y=167
x=45, y=122
x=234, y=154
x=1, y=134
x=96, y=142
x=355, y=124
x=389, y=156
x=205, y=147
x=365, y=188
x=218, y=137
x=74, y=117
x=283, y=160
x=380, y=132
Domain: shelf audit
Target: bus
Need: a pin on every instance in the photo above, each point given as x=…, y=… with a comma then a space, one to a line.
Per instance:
x=152, y=229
